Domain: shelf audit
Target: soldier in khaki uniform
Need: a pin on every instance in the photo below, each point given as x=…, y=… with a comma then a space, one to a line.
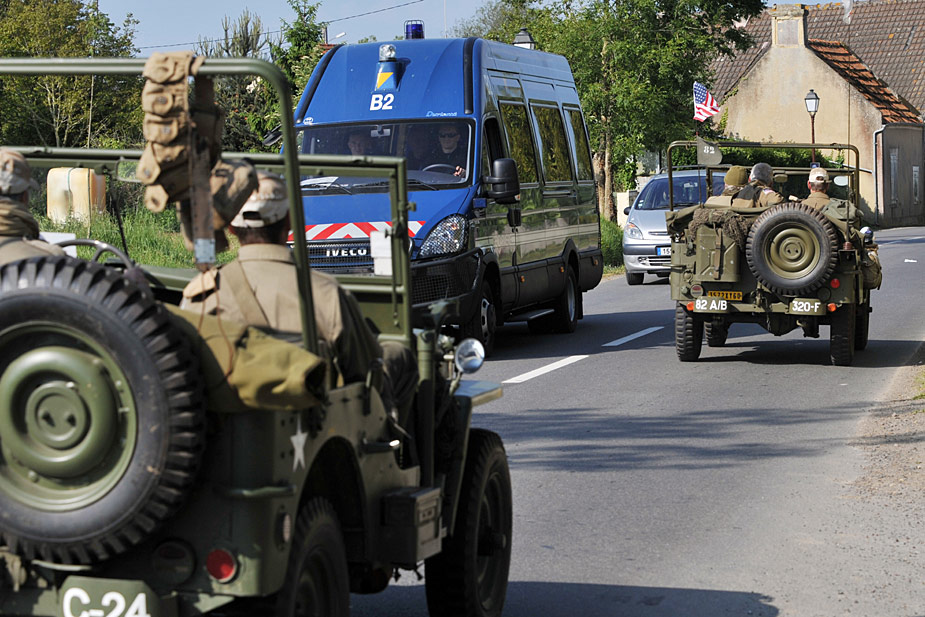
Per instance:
x=736, y=177
x=19, y=230
x=260, y=289
x=818, y=184
x=758, y=191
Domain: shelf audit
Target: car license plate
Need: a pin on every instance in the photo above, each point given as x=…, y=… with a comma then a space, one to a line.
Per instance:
x=97, y=597
x=726, y=295
x=710, y=305
x=663, y=251
x=807, y=306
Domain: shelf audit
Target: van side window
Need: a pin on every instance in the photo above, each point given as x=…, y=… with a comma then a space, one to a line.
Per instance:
x=582, y=152
x=553, y=144
x=514, y=118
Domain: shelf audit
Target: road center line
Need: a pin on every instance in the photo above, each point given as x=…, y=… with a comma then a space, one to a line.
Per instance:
x=631, y=337
x=545, y=369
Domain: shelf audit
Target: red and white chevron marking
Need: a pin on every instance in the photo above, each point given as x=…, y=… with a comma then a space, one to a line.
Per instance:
x=338, y=231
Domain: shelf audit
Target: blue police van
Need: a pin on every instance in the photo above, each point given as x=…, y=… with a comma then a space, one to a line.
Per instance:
x=499, y=167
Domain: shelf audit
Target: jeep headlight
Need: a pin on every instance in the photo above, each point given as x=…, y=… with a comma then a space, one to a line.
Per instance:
x=447, y=237
x=633, y=232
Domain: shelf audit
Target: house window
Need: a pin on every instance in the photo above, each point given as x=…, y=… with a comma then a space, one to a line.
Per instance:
x=915, y=184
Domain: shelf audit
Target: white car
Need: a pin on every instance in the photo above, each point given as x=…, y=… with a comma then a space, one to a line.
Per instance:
x=646, y=244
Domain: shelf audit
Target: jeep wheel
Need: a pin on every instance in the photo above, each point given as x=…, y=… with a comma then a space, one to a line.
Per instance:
x=842, y=335
x=565, y=318
x=688, y=334
x=862, y=326
x=716, y=333
x=792, y=249
x=469, y=577
x=100, y=411
x=634, y=278
x=317, y=580
x=484, y=324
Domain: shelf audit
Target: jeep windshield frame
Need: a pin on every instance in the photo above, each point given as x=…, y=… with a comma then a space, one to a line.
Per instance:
x=391, y=298
x=853, y=172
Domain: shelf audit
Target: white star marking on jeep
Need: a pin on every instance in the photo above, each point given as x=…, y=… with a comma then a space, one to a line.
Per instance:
x=298, y=444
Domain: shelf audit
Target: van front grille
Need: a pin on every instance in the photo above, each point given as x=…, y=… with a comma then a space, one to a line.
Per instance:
x=341, y=256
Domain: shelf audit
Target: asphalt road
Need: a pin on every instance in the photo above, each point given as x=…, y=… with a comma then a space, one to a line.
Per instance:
x=647, y=487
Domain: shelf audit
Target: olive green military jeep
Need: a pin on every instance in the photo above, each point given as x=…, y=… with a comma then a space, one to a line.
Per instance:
x=782, y=267
x=136, y=480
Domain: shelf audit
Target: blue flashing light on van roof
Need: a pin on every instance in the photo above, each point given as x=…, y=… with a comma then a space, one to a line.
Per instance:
x=499, y=167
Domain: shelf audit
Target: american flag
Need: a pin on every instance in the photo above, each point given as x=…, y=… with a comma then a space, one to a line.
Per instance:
x=704, y=104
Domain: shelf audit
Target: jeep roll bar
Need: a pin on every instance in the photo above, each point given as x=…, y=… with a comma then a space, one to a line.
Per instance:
x=855, y=182
x=288, y=162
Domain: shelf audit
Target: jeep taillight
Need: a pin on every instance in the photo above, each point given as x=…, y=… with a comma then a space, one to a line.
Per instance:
x=221, y=565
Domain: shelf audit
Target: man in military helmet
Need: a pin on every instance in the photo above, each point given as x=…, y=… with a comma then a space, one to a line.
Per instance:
x=818, y=185
x=758, y=191
x=260, y=289
x=736, y=177
x=19, y=231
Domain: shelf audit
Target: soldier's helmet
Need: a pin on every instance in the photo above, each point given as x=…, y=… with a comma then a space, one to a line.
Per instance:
x=762, y=173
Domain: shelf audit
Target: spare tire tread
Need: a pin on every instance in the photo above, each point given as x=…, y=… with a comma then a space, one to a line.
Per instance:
x=111, y=299
x=783, y=218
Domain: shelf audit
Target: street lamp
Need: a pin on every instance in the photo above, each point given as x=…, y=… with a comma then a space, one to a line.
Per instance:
x=523, y=39
x=812, y=106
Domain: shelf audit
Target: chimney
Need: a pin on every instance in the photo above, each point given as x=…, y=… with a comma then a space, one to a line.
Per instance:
x=788, y=25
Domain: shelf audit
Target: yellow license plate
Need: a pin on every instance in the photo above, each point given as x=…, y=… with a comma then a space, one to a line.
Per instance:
x=725, y=295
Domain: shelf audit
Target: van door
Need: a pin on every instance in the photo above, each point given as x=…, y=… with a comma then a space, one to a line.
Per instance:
x=530, y=235
x=588, y=236
x=560, y=195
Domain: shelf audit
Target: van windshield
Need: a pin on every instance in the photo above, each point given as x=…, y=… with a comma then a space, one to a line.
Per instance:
x=438, y=153
x=688, y=190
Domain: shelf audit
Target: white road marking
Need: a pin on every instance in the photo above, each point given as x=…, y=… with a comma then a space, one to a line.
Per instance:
x=545, y=369
x=631, y=337
x=911, y=261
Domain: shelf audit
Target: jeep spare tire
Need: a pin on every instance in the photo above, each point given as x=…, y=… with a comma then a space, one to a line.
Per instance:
x=792, y=249
x=101, y=412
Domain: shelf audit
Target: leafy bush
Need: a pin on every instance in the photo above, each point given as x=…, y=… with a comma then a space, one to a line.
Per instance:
x=612, y=242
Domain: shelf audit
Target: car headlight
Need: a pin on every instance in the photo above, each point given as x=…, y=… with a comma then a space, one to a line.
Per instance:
x=447, y=237
x=632, y=231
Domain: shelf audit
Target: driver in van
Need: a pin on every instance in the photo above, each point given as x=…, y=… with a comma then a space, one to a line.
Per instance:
x=19, y=231
x=451, y=151
x=360, y=143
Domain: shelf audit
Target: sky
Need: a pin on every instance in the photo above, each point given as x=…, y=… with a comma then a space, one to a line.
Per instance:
x=173, y=25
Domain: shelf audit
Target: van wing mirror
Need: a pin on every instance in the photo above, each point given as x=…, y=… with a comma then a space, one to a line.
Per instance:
x=502, y=185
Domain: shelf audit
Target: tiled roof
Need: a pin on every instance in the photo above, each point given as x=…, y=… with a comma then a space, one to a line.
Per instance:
x=852, y=70
x=888, y=36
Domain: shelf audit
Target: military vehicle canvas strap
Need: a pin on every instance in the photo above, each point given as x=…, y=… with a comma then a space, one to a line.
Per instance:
x=240, y=287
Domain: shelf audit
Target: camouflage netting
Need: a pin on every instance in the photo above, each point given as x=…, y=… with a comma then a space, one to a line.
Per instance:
x=733, y=225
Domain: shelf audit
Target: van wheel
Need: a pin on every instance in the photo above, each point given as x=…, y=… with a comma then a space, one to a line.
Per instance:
x=317, y=579
x=469, y=577
x=101, y=411
x=565, y=318
x=688, y=334
x=484, y=324
x=635, y=278
x=716, y=334
x=842, y=335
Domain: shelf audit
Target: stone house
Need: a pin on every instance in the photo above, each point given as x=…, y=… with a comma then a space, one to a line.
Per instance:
x=869, y=73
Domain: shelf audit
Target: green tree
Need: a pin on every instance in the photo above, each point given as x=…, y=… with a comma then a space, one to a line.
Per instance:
x=300, y=47
x=634, y=62
x=247, y=103
x=67, y=111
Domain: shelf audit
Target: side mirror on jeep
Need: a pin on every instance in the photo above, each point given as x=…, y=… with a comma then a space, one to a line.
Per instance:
x=503, y=185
